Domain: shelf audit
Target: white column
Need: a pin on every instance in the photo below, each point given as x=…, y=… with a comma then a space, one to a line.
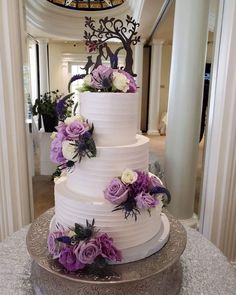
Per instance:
x=155, y=83
x=218, y=211
x=14, y=181
x=138, y=69
x=185, y=101
x=43, y=65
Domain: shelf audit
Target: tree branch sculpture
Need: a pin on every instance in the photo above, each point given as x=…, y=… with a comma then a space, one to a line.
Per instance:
x=110, y=28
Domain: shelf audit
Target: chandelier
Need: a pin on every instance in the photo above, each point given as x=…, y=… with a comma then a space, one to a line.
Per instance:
x=87, y=4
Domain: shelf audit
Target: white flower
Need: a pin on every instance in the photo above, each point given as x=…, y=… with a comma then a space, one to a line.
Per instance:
x=68, y=150
x=88, y=80
x=129, y=176
x=120, y=81
x=70, y=120
x=53, y=135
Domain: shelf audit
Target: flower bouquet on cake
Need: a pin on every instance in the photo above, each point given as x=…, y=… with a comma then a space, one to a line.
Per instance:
x=106, y=79
x=71, y=142
x=82, y=247
x=135, y=191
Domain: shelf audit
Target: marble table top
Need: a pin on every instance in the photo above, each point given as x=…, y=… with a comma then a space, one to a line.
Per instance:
x=206, y=270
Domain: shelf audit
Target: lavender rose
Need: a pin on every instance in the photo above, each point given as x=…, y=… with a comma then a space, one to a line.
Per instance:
x=69, y=261
x=109, y=251
x=154, y=182
x=56, y=154
x=116, y=192
x=76, y=128
x=101, y=78
x=55, y=247
x=145, y=201
x=86, y=252
x=61, y=129
x=141, y=184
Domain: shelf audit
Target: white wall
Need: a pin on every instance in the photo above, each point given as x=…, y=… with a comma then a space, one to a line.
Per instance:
x=61, y=54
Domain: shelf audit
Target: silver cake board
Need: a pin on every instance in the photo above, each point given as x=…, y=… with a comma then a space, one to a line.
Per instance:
x=157, y=274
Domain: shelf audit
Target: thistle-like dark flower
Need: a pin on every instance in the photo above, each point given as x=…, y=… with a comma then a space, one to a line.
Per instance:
x=129, y=208
x=162, y=190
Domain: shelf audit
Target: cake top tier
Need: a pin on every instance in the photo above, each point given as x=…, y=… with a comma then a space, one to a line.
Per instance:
x=114, y=116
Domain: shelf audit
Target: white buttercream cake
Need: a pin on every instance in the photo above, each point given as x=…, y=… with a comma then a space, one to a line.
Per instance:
x=80, y=195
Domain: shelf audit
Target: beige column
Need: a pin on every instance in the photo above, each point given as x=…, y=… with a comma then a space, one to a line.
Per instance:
x=185, y=101
x=218, y=210
x=138, y=69
x=43, y=65
x=14, y=181
x=155, y=83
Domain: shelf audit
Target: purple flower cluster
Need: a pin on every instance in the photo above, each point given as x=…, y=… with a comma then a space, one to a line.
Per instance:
x=72, y=140
x=102, y=79
x=135, y=196
x=77, y=255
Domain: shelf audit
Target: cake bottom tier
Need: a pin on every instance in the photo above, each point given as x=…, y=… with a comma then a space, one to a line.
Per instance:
x=71, y=208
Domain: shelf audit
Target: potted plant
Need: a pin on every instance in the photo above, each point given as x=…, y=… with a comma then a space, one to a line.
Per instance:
x=52, y=106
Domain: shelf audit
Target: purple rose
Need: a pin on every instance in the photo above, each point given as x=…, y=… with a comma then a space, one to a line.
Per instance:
x=141, y=184
x=55, y=247
x=154, y=182
x=68, y=259
x=56, y=155
x=116, y=192
x=102, y=77
x=86, y=252
x=132, y=83
x=75, y=129
x=61, y=130
x=145, y=201
x=108, y=250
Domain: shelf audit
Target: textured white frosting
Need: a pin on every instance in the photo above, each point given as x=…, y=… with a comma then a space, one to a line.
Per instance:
x=71, y=208
x=114, y=116
x=91, y=176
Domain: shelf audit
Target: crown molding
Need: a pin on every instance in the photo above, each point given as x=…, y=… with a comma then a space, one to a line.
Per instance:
x=65, y=24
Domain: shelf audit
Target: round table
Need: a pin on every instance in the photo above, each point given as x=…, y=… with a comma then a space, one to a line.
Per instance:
x=206, y=270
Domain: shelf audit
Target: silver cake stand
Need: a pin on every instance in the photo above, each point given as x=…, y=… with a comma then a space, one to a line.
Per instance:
x=157, y=274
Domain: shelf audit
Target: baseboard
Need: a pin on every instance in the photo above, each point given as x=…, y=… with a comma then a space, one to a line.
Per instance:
x=153, y=132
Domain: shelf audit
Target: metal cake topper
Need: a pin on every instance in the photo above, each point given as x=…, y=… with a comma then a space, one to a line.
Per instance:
x=96, y=38
x=111, y=28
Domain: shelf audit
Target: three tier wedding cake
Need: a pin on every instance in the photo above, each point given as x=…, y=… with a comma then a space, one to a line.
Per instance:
x=107, y=189
x=108, y=207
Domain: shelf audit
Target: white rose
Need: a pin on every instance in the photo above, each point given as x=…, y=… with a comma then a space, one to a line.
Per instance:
x=70, y=120
x=68, y=150
x=88, y=80
x=120, y=82
x=53, y=135
x=129, y=176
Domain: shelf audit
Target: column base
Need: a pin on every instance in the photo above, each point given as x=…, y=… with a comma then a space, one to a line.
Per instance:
x=139, y=132
x=153, y=132
x=191, y=222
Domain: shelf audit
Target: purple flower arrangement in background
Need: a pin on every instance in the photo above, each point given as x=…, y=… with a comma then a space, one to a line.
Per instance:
x=72, y=141
x=64, y=106
x=82, y=246
x=106, y=79
x=135, y=191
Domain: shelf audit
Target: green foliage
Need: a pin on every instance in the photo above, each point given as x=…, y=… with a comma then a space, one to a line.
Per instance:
x=46, y=104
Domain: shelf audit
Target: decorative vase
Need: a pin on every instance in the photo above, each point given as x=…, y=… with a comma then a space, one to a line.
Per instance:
x=49, y=122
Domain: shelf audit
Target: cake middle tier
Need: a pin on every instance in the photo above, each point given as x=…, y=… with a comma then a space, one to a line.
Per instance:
x=90, y=177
